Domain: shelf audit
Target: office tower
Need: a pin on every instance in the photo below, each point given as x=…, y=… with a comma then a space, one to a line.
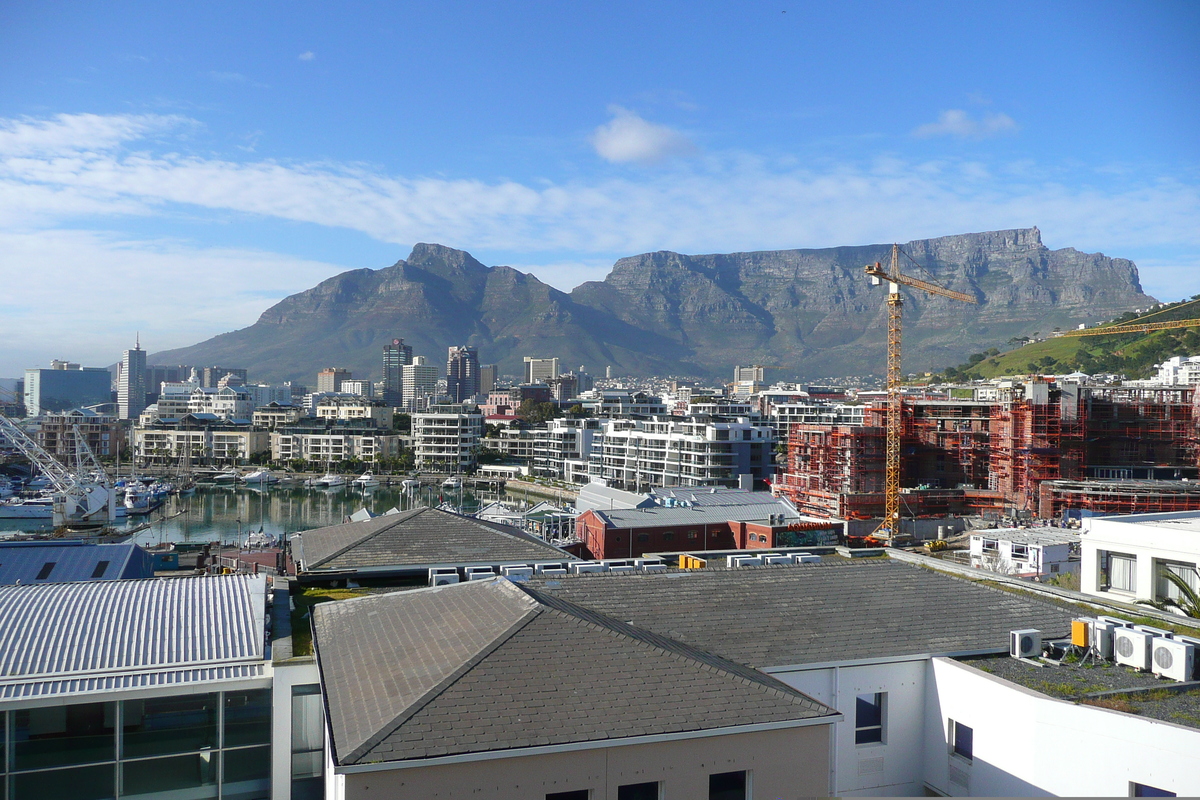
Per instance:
x=462, y=373
x=755, y=374
x=540, y=370
x=330, y=380
x=65, y=386
x=420, y=380
x=131, y=386
x=395, y=356
x=487, y=377
x=211, y=376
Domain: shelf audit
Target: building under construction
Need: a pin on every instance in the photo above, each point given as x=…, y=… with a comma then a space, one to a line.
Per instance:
x=1040, y=448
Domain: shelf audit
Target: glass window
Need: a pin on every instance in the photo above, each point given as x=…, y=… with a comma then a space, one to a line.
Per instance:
x=161, y=725
x=196, y=773
x=58, y=736
x=1020, y=551
x=308, y=742
x=1142, y=790
x=1122, y=572
x=964, y=740
x=727, y=786
x=247, y=774
x=98, y=572
x=990, y=546
x=578, y=794
x=638, y=791
x=45, y=571
x=80, y=783
x=868, y=718
x=247, y=717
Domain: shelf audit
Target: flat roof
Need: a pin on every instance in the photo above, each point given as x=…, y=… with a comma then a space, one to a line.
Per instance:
x=1029, y=535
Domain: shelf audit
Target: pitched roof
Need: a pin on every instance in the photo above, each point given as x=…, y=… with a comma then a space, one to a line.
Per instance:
x=62, y=561
x=488, y=666
x=70, y=638
x=417, y=538
x=814, y=613
x=695, y=515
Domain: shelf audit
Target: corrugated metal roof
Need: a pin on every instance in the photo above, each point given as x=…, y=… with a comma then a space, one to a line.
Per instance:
x=23, y=562
x=699, y=515
x=58, y=638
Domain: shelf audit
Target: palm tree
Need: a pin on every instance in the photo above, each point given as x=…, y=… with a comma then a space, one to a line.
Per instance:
x=1188, y=602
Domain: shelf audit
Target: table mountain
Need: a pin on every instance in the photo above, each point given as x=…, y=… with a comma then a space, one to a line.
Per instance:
x=811, y=312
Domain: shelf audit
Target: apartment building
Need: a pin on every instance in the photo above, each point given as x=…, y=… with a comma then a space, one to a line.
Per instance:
x=357, y=409
x=227, y=402
x=447, y=437
x=103, y=433
x=332, y=441
x=562, y=450
x=198, y=438
x=669, y=451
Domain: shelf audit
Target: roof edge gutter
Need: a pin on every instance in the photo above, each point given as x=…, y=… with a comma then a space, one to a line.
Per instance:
x=866, y=662
x=592, y=745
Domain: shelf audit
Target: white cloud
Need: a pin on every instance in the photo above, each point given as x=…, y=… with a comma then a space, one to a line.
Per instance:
x=78, y=285
x=627, y=138
x=307, y=55
x=956, y=122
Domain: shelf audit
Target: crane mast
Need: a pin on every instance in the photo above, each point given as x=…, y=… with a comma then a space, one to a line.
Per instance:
x=889, y=526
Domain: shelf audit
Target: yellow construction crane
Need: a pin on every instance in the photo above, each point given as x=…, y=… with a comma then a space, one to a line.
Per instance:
x=1133, y=327
x=889, y=527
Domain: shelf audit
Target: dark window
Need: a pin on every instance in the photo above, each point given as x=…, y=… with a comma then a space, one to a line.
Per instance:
x=101, y=568
x=578, y=794
x=308, y=741
x=1142, y=790
x=638, y=791
x=172, y=774
x=727, y=786
x=47, y=568
x=59, y=736
x=80, y=783
x=162, y=725
x=643, y=537
x=668, y=536
x=868, y=718
x=964, y=741
x=692, y=534
x=248, y=717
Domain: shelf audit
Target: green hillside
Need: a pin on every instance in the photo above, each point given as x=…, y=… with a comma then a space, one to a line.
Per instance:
x=1133, y=354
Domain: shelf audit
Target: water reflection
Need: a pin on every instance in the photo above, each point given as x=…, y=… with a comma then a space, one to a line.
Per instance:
x=220, y=513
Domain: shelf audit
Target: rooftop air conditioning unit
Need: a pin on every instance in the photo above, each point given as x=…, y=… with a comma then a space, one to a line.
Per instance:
x=540, y=568
x=1159, y=632
x=554, y=572
x=775, y=558
x=1132, y=648
x=517, y=573
x=1102, y=637
x=1172, y=659
x=1116, y=623
x=1025, y=644
x=805, y=558
x=1081, y=631
x=582, y=567
x=622, y=569
x=654, y=567
x=744, y=561
x=444, y=579
x=480, y=576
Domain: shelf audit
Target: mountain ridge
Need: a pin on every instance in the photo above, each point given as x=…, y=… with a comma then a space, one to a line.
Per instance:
x=669, y=313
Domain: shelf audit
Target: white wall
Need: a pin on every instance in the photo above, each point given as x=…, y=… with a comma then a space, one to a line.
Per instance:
x=1027, y=744
x=285, y=677
x=1149, y=543
x=894, y=767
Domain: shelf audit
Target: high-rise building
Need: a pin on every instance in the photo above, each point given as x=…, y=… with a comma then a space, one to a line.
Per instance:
x=420, y=380
x=755, y=374
x=395, y=356
x=462, y=373
x=131, y=385
x=487, y=377
x=65, y=386
x=540, y=370
x=330, y=380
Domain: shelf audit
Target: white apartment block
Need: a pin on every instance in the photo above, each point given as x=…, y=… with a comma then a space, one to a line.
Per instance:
x=620, y=403
x=227, y=403
x=1178, y=371
x=1026, y=553
x=333, y=445
x=447, y=437
x=562, y=450
x=197, y=441
x=355, y=409
x=274, y=415
x=514, y=443
x=669, y=451
x=418, y=380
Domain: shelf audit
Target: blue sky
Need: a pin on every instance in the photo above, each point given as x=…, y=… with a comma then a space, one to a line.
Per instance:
x=176, y=168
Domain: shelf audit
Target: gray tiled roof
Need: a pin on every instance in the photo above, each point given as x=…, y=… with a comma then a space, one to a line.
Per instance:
x=696, y=515
x=814, y=613
x=488, y=666
x=422, y=536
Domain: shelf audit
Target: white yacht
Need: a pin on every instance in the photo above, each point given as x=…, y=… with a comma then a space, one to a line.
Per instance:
x=261, y=476
x=365, y=481
x=329, y=481
x=453, y=482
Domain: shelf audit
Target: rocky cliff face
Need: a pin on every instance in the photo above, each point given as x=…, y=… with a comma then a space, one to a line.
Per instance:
x=810, y=311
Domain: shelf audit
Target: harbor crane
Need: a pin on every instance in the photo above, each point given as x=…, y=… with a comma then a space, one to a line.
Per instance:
x=889, y=527
x=79, y=499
